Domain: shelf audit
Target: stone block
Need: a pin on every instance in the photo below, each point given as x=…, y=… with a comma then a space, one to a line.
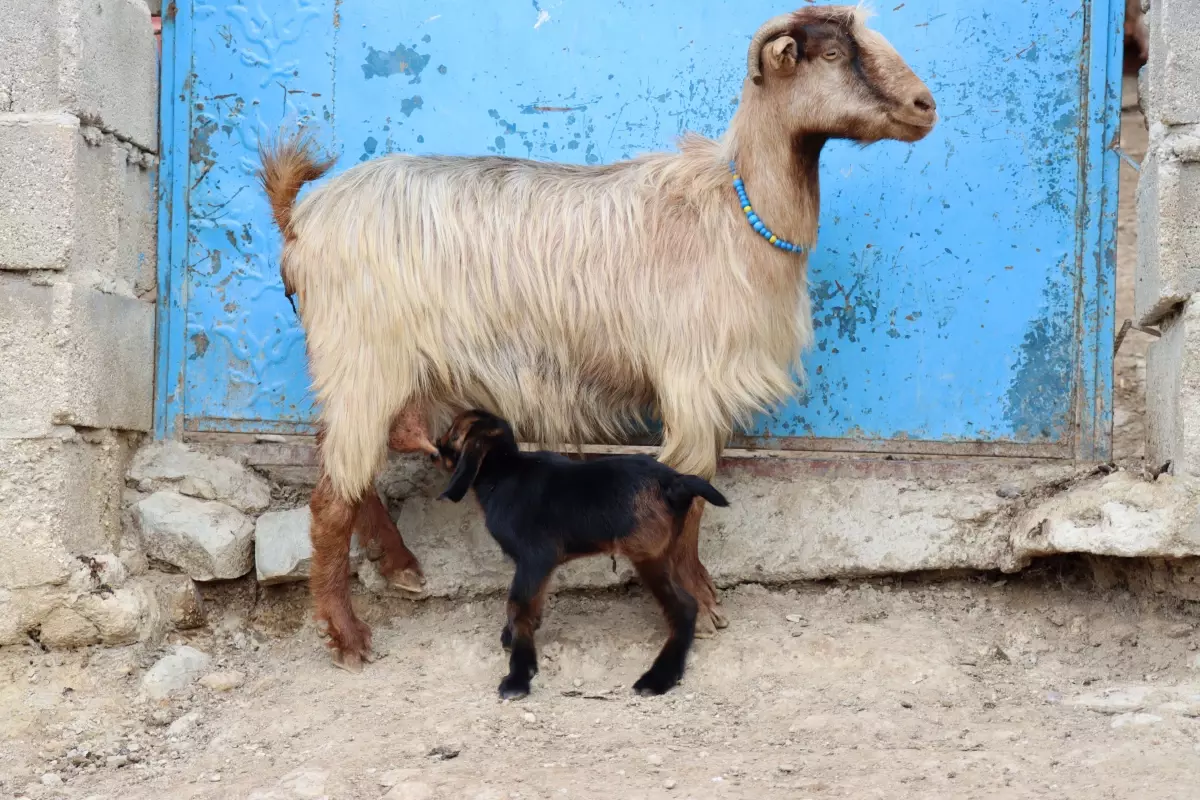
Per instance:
x=206, y=539
x=58, y=498
x=75, y=199
x=1168, y=203
x=96, y=59
x=283, y=550
x=174, y=465
x=66, y=629
x=73, y=356
x=37, y=180
x=1173, y=392
x=1174, y=62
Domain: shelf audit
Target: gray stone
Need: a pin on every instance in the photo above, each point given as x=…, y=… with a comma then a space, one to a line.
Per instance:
x=225, y=681
x=283, y=550
x=120, y=616
x=66, y=501
x=67, y=629
x=182, y=601
x=174, y=673
x=1135, y=720
x=1173, y=393
x=1117, y=700
x=305, y=783
x=206, y=539
x=79, y=200
x=1168, y=202
x=1174, y=62
x=173, y=465
x=97, y=60
x=37, y=162
x=73, y=356
x=183, y=726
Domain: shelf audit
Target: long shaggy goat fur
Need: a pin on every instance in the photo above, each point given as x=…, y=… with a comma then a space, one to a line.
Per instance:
x=569, y=299
x=572, y=300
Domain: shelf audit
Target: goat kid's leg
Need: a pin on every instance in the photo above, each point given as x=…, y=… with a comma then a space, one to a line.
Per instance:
x=694, y=577
x=537, y=607
x=332, y=525
x=679, y=607
x=528, y=584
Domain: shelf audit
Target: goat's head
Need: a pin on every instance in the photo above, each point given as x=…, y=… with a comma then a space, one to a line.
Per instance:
x=462, y=448
x=830, y=75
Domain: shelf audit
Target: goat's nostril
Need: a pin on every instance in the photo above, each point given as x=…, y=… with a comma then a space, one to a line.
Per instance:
x=924, y=102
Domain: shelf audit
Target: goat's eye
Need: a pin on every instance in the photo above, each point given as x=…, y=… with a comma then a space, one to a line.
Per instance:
x=831, y=55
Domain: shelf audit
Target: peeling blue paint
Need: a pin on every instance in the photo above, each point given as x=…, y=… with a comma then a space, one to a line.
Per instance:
x=399, y=61
x=952, y=281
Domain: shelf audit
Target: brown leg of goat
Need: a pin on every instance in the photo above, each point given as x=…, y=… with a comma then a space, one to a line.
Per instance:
x=679, y=607
x=381, y=537
x=694, y=578
x=332, y=525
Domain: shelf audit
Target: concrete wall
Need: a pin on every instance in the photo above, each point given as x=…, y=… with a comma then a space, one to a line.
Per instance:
x=1169, y=236
x=78, y=135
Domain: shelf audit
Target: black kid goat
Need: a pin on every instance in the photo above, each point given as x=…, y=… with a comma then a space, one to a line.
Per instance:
x=544, y=509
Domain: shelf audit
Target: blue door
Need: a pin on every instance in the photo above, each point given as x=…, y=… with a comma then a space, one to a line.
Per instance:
x=961, y=287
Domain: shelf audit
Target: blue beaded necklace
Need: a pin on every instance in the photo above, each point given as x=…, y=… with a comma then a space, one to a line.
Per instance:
x=757, y=223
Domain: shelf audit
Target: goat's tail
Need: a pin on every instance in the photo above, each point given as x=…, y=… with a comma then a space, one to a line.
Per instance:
x=288, y=163
x=680, y=490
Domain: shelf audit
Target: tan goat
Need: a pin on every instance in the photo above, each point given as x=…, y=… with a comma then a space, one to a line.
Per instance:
x=570, y=299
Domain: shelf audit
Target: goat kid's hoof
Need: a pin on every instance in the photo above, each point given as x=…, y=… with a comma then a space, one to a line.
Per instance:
x=352, y=661
x=652, y=684
x=513, y=688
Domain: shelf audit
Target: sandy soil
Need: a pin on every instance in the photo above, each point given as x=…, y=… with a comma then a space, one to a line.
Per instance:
x=898, y=689
x=1042, y=687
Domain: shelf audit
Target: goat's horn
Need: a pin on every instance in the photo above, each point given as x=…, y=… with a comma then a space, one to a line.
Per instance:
x=770, y=29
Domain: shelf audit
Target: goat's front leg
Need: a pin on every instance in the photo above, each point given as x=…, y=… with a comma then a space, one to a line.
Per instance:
x=529, y=583
x=539, y=605
x=332, y=525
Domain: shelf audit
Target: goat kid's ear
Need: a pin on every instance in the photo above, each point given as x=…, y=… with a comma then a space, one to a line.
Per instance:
x=781, y=55
x=464, y=472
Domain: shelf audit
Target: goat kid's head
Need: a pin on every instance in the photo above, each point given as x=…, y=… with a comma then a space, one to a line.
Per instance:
x=830, y=75
x=462, y=448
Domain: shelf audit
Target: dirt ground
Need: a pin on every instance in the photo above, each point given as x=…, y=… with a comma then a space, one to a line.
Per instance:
x=1042, y=686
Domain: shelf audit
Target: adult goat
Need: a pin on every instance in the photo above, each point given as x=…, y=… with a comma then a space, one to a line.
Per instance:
x=571, y=299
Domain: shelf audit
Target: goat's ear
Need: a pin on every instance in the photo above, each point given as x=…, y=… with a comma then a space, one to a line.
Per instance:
x=781, y=55
x=464, y=471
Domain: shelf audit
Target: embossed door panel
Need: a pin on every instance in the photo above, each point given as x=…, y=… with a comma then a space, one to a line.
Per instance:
x=961, y=286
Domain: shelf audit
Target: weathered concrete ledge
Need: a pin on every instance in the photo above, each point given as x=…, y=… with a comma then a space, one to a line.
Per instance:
x=813, y=518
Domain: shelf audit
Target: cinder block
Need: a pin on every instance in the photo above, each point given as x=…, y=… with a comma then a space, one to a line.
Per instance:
x=1168, y=205
x=73, y=198
x=72, y=355
x=58, y=499
x=94, y=58
x=1173, y=393
x=1174, y=62
x=37, y=178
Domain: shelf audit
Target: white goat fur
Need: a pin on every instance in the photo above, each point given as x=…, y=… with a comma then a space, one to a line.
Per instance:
x=566, y=299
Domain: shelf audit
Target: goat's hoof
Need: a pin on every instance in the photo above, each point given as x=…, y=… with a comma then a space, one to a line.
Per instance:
x=654, y=683
x=705, y=627
x=506, y=638
x=719, y=620
x=513, y=688
x=408, y=580
x=352, y=661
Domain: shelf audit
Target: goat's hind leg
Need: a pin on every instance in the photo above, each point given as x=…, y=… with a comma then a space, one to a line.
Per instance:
x=381, y=537
x=693, y=575
x=528, y=586
x=679, y=607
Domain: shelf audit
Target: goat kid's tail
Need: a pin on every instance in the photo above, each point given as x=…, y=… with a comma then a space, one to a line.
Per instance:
x=680, y=490
x=287, y=164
